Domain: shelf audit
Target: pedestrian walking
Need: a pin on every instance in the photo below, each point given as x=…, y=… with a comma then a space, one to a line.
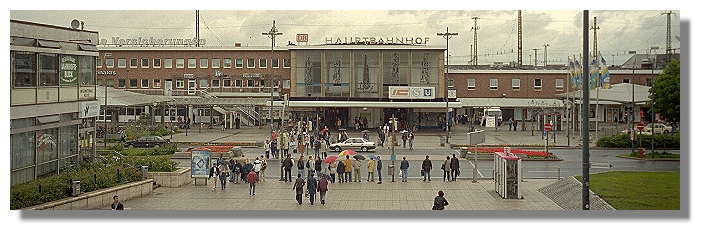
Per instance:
x=310, y=163
x=511, y=123
x=341, y=171
x=247, y=168
x=446, y=169
x=323, y=188
x=317, y=147
x=300, y=165
x=257, y=167
x=348, y=169
x=252, y=179
x=237, y=168
x=426, y=167
x=299, y=188
x=223, y=173
x=312, y=185
x=403, y=138
x=440, y=202
x=404, y=167
x=356, y=169
x=379, y=169
x=214, y=173
x=288, y=164
x=455, y=167
x=117, y=205
x=411, y=140
x=332, y=170
x=266, y=148
x=371, y=170
x=318, y=165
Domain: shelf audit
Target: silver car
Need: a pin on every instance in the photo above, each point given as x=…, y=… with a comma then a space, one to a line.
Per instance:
x=353, y=143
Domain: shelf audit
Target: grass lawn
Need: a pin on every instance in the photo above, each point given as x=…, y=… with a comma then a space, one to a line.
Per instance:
x=656, y=156
x=638, y=190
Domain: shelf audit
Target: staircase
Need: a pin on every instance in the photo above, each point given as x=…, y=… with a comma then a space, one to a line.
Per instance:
x=249, y=117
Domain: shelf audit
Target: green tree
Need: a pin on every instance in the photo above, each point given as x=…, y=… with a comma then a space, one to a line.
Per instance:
x=665, y=92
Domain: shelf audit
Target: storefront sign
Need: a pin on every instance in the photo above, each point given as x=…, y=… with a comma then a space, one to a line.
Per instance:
x=68, y=70
x=490, y=122
x=200, y=161
x=378, y=40
x=405, y=92
x=188, y=75
x=106, y=72
x=86, y=93
x=88, y=109
x=151, y=41
x=251, y=75
x=452, y=94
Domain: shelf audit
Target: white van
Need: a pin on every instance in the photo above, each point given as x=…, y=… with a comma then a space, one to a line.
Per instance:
x=493, y=113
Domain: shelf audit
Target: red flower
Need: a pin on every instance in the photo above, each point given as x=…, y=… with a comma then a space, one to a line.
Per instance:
x=513, y=150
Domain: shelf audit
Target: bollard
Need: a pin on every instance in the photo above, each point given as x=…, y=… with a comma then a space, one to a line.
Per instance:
x=559, y=173
x=118, y=175
x=40, y=188
x=144, y=170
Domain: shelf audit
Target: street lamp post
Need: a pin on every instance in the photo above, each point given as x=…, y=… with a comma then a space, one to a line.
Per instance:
x=447, y=35
x=273, y=33
x=653, y=114
x=632, y=135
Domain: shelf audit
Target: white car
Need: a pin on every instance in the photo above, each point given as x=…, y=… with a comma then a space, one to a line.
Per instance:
x=353, y=143
x=658, y=128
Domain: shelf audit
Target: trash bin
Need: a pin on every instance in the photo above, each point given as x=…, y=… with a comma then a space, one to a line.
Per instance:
x=391, y=170
x=75, y=187
x=144, y=170
x=463, y=153
x=442, y=140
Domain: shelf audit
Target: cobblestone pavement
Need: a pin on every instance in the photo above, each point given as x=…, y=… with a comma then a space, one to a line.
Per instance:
x=412, y=195
x=567, y=193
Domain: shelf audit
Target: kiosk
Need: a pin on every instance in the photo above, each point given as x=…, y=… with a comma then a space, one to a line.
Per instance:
x=507, y=175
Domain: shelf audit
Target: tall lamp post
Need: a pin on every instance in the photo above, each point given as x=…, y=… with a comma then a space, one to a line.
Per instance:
x=653, y=115
x=632, y=134
x=273, y=33
x=447, y=35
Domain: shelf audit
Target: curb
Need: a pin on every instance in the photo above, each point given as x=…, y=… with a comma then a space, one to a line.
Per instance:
x=647, y=159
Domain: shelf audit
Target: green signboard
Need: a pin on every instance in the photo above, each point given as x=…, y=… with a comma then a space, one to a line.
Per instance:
x=68, y=70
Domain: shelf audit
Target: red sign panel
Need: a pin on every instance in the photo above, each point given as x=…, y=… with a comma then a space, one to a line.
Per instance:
x=547, y=127
x=301, y=37
x=640, y=126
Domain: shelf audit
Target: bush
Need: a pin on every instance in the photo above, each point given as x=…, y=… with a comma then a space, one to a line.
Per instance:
x=155, y=163
x=93, y=177
x=161, y=131
x=643, y=141
x=167, y=149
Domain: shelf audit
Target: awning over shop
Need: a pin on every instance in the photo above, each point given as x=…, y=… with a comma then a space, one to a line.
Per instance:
x=368, y=104
x=510, y=102
x=620, y=93
x=117, y=97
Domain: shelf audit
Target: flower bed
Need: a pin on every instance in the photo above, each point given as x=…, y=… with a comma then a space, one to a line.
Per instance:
x=535, y=154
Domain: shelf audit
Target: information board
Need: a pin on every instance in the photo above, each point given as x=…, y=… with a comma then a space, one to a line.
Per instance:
x=200, y=162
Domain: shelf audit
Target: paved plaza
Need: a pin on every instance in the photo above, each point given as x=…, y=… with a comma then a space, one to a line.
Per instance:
x=412, y=195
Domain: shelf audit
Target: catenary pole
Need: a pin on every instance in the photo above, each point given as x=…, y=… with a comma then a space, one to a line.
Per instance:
x=273, y=33
x=585, y=110
x=447, y=35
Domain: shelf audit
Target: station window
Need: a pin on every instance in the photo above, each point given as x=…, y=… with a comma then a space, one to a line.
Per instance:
x=494, y=84
x=275, y=63
x=215, y=63
x=25, y=69
x=179, y=83
x=215, y=83
x=559, y=84
x=250, y=62
x=145, y=62
x=263, y=63
x=203, y=83
x=191, y=63
x=250, y=83
x=226, y=83
x=144, y=83
x=133, y=63
x=157, y=83
x=516, y=83
x=238, y=63
x=238, y=83
x=110, y=63
x=98, y=62
x=286, y=63
x=48, y=70
x=122, y=63
x=537, y=83
x=121, y=83
x=203, y=63
x=227, y=63
x=471, y=84
x=451, y=83
x=157, y=63
x=133, y=83
x=168, y=63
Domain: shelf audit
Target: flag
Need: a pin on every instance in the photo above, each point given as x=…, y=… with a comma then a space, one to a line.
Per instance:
x=571, y=70
x=577, y=73
x=594, y=74
x=604, y=73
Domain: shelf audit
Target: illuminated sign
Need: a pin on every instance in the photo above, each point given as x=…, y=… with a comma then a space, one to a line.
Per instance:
x=106, y=72
x=406, y=92
x=151, y=41
x=301, y=37
x=378, y=40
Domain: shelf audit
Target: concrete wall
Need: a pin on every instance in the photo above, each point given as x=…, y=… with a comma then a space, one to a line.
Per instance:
x=99, y=199
x=175, y=179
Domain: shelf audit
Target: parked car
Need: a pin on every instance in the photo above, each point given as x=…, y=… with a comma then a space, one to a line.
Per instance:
x=353, y=143
x=659, y=128
x=147, y=142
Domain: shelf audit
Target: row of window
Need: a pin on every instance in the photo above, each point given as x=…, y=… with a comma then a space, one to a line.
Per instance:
x=516, y=83
x=45, y=69
x=202, y=83
x=203, y=63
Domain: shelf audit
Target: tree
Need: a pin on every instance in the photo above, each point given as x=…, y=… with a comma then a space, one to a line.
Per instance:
x=665, y=92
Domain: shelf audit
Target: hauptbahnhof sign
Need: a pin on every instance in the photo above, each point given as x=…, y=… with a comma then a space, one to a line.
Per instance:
x=377, y=40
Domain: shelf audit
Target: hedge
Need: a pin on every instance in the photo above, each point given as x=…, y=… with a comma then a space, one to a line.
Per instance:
x=161, y=150
x=642, y=141
x=93, y=176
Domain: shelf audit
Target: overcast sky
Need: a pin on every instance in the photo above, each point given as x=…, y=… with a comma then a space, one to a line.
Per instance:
x=620, y=31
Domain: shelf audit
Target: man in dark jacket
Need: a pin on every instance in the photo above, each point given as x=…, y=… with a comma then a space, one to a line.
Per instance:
x=379, y=169
x=404, y=169
x=288, y=164
x=299, y=187
x=312, y=186
x=454, y=167
x=300, y=165
x=340, y=169
x=318, y=165
x=426, y=166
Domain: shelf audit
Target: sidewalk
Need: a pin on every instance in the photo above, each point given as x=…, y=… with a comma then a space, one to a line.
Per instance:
x=412, y=195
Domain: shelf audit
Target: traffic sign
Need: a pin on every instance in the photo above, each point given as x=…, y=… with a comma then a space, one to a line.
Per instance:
x=640, y=126
x=548, y=127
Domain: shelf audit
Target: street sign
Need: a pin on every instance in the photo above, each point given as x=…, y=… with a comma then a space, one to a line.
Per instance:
x=640, y=126
x=301, y=37
x=548, y=127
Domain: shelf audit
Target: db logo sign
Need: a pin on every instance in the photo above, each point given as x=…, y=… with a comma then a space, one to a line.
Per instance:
x=301, y=37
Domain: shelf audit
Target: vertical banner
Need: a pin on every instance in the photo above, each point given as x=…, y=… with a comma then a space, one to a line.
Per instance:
x=200, y=161
x=68, y=70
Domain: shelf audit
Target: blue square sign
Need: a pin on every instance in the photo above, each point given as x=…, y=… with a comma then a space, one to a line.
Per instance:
x=427, y=92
